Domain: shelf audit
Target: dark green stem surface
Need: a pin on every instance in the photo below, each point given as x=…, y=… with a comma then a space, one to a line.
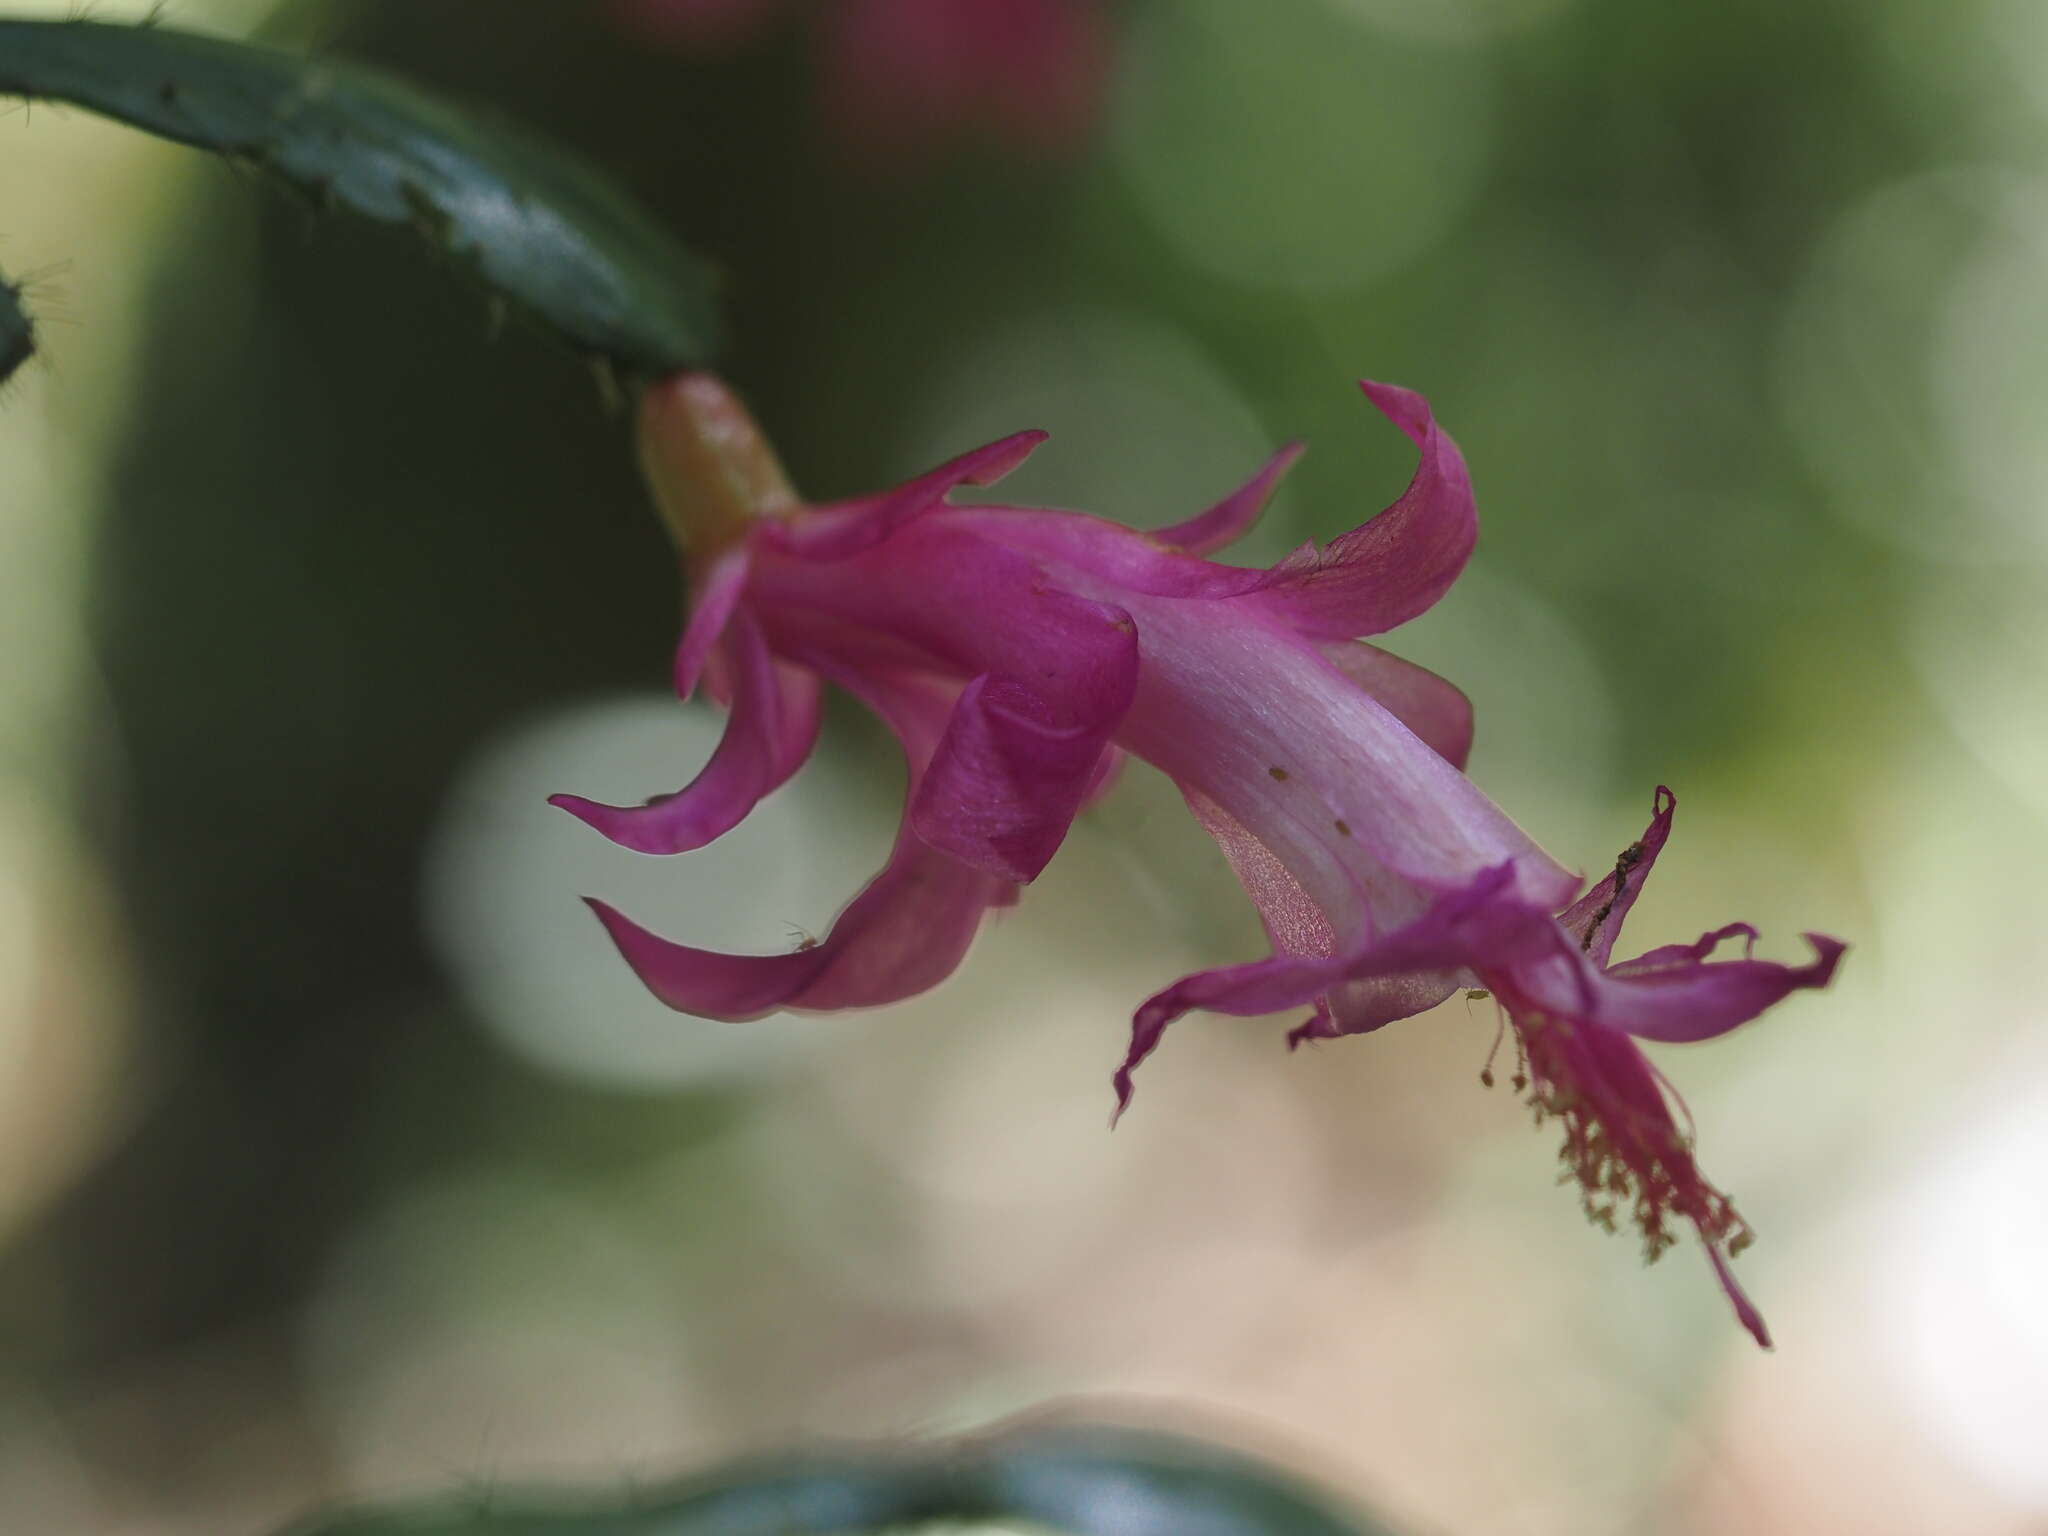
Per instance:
x=543, y=231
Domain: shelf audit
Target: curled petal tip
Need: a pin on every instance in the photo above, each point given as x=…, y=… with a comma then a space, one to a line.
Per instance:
x=1124, y=1088
x=1827, y=954
x=1407, y=409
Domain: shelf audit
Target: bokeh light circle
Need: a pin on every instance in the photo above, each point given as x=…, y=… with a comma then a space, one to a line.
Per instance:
x=1285, y=155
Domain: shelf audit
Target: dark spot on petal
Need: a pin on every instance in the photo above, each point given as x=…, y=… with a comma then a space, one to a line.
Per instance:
x=1343, y=827
x=1279, y=774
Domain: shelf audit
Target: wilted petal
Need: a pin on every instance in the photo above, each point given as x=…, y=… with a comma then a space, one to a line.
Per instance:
x=771, y=730
x=1396, y=565
x=1595, y=918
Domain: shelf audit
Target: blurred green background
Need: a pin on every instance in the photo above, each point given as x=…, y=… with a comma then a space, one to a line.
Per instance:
x=338, y=1154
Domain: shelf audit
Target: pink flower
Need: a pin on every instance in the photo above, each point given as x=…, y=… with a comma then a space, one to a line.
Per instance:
x=899, y=76
x=1575, y=1017
x=1019, y=653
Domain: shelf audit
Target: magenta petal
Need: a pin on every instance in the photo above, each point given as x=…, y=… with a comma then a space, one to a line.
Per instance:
x=1232, y=517
x=1366, y=1003
x=1432, y=708
x=1393, y=567
x=1108, y=552
x=1247, y=990
x=1671, y=995
x=904, y=934
x=839, y=530
x=717, y=594
x=772, y=728
x=1016, y=763
x=704, y=982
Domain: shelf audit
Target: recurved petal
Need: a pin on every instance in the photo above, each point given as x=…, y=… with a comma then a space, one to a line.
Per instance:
x=1417, y=964
x=902, y=935
x=771, y=730
x=1676, y=994
x=1394, y=566
x=1248, y=990
x=1232, y=517
x=838, y=530
x=1431, y=707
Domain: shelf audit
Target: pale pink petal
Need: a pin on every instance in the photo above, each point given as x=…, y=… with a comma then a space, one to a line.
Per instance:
x=1232, y=517
x=1432, y=708
x=1360, y=810
x=1395, y=566
x=773, y=725
x=1296, y=923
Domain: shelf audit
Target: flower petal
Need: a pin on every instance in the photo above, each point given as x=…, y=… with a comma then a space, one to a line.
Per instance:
x=1431, y=707
x=1482, y=918
x=1248, y=990
x=1675, y=994
x=1232, y=517
x=1394, y=566
x=1108, y=553
x=1017, y=761
x=717, y=595
x=905, y=933
x=1296, y=923
x=1595, y=918
x=837, y=530
x=772, y=728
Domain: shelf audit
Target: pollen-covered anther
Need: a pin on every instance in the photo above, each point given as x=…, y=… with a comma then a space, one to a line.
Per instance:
x=1625, y=1152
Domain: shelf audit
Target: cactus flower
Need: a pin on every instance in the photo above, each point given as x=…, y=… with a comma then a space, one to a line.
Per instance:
x=1018, y=654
